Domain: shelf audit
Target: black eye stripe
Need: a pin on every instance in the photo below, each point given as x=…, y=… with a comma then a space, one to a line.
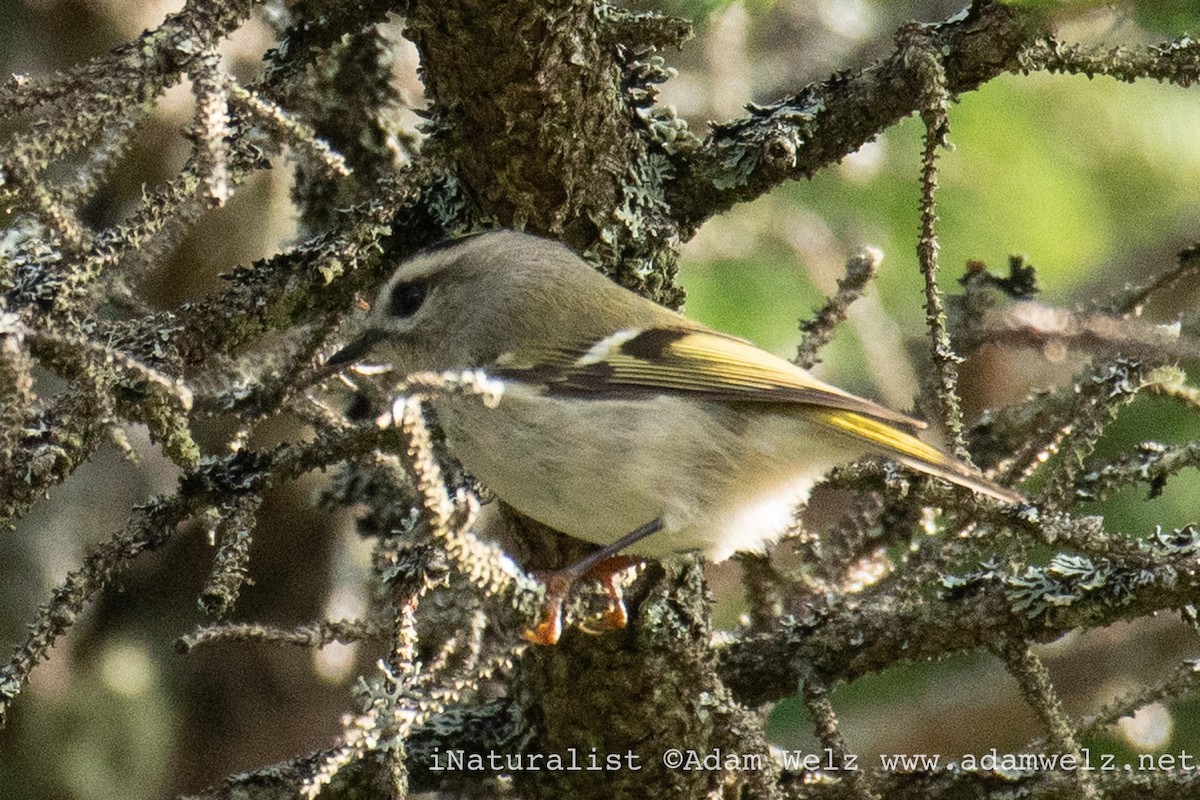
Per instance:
x=406, y=298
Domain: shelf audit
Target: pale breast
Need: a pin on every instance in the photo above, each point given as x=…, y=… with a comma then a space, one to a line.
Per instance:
x=722, y=481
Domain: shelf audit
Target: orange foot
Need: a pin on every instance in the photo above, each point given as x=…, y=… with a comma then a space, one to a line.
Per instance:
x=549, y=627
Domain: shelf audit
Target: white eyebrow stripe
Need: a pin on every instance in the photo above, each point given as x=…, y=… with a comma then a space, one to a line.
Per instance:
x=598, y=353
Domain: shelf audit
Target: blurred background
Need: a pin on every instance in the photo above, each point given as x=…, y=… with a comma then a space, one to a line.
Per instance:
x=1094, y=181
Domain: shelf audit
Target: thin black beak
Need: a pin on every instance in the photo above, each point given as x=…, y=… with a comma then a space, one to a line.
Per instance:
x=357, y=348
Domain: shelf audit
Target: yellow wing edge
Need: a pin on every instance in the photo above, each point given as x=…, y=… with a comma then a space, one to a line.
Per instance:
x=699, y=362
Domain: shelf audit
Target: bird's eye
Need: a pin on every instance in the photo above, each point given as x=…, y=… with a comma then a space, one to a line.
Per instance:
x=406, y=298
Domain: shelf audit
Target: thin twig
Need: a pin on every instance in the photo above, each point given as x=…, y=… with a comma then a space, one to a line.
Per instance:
x=937, y=127
x=1030, y=672
x=860, y=269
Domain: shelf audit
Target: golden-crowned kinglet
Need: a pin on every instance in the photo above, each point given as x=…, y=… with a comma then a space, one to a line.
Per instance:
x=618, y=415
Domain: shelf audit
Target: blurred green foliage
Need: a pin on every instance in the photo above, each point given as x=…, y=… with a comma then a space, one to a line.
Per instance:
x=1093, y=181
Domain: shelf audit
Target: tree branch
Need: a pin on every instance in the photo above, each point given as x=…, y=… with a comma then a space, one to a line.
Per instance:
x=794, y=138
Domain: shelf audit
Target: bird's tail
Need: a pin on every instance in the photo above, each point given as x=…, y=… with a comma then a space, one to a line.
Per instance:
x=912, y=452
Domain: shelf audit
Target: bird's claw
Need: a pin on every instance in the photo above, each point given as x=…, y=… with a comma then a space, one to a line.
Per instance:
x=548, y=629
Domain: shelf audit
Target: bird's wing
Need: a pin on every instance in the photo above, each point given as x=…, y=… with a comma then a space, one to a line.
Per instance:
x=697, y=362
x=715, y=366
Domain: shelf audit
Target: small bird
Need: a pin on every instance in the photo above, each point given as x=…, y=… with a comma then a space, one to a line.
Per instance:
x=622, y=423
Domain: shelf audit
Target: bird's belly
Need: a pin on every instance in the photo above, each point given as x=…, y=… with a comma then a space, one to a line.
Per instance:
x=720, y=480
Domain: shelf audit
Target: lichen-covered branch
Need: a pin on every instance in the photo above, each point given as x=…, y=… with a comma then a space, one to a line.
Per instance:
x=860, y=269
x=214, y=480
x=543, y=116
x=1026, y=603
x=796, y=137
x=926, y=62
x=1034, y=680
x=1175, y=62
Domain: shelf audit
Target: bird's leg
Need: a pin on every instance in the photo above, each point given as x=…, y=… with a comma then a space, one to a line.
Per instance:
x=549, y=626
